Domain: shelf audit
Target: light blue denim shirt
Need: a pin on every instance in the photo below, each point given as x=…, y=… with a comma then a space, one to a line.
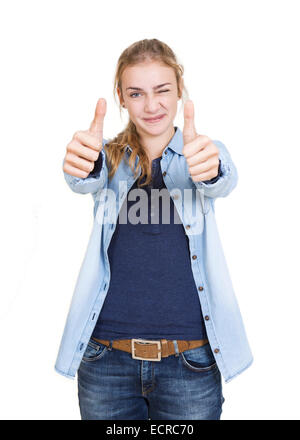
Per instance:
x=223, y=320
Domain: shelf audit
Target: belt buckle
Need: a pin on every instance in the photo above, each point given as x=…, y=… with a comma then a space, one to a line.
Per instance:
x=145, y=341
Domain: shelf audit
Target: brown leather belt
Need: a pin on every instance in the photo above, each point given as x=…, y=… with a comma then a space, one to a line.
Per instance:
x=150, y=350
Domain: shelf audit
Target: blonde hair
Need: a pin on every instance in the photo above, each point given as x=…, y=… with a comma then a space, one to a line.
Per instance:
x=138, y=52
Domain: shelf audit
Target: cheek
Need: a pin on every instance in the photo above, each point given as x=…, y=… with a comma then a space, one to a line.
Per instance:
x=170, y=102
x=134, y=108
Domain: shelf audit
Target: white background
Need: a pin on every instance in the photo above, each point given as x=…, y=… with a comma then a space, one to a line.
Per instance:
x=241, y=61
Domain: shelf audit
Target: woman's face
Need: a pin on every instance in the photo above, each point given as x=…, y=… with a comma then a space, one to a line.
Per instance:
x=150, y=90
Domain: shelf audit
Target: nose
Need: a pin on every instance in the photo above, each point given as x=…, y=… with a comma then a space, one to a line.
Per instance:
x=151, y=104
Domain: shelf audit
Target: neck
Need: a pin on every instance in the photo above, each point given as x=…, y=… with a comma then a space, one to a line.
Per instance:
x=155, y=145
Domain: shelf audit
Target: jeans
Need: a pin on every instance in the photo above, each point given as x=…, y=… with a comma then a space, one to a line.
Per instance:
x=114, y=386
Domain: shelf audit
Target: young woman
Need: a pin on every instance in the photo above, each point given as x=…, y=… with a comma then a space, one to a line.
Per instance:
x=154, y=323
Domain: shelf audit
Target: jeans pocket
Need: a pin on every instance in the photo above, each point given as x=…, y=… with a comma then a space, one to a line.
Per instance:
x=200, y=359
x=94, y=351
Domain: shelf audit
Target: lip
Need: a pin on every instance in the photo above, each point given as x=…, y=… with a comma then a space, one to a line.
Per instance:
x=153, y=120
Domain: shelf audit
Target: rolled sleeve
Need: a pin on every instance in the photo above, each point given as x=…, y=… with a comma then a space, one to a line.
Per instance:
x=94, y=181
x=227, y=177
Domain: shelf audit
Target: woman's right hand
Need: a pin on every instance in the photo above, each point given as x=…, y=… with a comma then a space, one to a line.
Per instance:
x=85, y=146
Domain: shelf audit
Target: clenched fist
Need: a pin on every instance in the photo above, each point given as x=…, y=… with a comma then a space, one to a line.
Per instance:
x=201, y=154
x=85, y=146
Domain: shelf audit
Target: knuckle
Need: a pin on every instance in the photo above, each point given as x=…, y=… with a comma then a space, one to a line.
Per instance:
x=205, y=139
x=69, y=147
x=77, y=135
x=67, y=168
x=192, y=171
x=95, y=156
x=97, y=144
x=216, y=149
x=185, y=151
x=67, y=160
x=199, y=139
x=189, y=161
x=72, y=158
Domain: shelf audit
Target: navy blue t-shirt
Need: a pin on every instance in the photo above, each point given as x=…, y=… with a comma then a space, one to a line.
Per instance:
x=152, y=292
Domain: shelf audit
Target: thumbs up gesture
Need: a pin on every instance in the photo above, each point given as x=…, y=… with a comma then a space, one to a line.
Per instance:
x=85, y=146
x=201, y=154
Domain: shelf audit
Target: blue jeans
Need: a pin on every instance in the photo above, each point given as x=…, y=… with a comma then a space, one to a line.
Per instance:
x=114, y=386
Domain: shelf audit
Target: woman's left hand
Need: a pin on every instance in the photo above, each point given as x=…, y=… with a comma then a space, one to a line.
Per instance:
x=201, y=154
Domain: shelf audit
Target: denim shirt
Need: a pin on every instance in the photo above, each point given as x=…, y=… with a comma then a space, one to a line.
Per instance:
x=194, y=202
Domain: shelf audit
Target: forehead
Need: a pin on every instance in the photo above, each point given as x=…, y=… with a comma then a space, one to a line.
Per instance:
x=147, y=74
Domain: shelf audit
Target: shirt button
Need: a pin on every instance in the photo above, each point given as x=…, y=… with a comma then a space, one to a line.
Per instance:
x=194, y=257
x=175, y=197
x=166, y=152
x=207, y=318
x=200, y=288
x=187, y=226
x=216, y=350
x=164, y=173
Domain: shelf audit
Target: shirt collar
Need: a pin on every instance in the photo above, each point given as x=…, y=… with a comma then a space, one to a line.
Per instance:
x=176, y=142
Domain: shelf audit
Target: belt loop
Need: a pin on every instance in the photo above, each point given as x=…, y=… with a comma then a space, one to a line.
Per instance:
x=176, y=348
x=110, y=345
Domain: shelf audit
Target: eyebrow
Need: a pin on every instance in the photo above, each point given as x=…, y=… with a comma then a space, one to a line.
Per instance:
x=154, y=88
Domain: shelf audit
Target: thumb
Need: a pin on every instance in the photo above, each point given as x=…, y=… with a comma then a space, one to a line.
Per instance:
x=96, y=126
x=189, y=130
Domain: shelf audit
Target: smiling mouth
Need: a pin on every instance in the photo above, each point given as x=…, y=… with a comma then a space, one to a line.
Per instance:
x=158, y=118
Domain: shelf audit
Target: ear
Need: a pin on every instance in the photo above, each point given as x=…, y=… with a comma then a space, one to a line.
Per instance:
x=180, y=88
x=120, y=96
